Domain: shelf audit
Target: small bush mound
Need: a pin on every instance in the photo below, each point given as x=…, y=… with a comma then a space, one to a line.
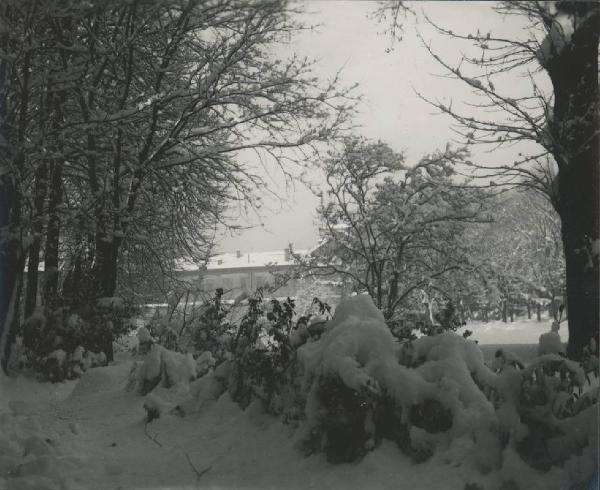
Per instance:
x=62, y=343
x=349, y=384
x=162, y=367
x=435, y=395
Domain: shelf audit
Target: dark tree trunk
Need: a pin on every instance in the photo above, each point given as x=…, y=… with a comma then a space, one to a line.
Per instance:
x=15, y=262
x=574, y=126
x=582, y=298
x=34, y=252
x=11, y=249
x=6, y=204
x=538, y=310
x=105, y=267
x=6, y=266
x=11, y=263
x=512, y=314
x=528, y=310
x=52, y=237
x=51, y=258
x=105, y=278
x=505, y=311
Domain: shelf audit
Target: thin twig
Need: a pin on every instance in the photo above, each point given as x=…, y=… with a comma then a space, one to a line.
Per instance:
x=153, y=439
x=199, y=474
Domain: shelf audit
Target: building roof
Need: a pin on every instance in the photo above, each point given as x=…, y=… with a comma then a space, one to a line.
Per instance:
x=240, y=260
x=253, y=259
x=186, y=266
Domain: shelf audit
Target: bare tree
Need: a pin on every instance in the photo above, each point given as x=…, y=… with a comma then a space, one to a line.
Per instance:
x=391, y=230
x=142, y=111
x=562, y=43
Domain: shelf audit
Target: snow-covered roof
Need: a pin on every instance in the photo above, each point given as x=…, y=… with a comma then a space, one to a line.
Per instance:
x=186, y=266
x=340, y=226
x=236, y=260
x=253, y=259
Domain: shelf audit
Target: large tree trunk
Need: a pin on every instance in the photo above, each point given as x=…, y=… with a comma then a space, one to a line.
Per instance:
x=34, y=252
x=52, y=237
x=11, y=264
x=12, y=248
x=574, y=126
x=105, y=278
x=579, y=225
x=105, y=269
x=10, y=189
x=5, y=206
x=51, y=271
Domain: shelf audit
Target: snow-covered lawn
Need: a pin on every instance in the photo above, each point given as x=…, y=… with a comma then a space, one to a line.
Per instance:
x=98, y=441
x=521, y=331
x=91, y=434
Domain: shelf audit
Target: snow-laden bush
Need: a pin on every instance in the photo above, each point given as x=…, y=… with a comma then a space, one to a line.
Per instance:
x=264, y=352
x=358, y=352
x=145, y=341
x=204, y=363
x=176, y=382
x=349, y=384
x=210, y=330
x=435, y=396
x=53, y=346
x=162, y=367
x=258, y=354
x=84, y=335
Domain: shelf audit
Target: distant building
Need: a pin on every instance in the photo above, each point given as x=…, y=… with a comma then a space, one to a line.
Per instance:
x=244, y=272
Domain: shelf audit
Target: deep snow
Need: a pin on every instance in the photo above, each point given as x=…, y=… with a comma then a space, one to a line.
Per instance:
x=90, y=434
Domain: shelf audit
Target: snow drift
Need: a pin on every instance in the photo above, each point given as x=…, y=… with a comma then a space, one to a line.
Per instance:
x=436, y=398
x=356, y=386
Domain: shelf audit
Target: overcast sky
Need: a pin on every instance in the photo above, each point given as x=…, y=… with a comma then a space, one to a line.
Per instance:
x=392, y=111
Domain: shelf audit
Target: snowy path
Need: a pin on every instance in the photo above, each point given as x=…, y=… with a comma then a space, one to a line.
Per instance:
x=99, y=428
x=90, y=435
x=242, y=449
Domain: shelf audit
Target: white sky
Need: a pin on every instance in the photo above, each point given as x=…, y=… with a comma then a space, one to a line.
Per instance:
x=392, y=112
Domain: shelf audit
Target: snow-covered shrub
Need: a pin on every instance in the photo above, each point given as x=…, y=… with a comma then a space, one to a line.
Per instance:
x=145, y=341
x=436, y=396
x=162, y=367
x=205, y=389
x=210, y=329
x=106, y=319
x=167, y=378
x=548, y=398
x=418, y=402
x=407, y=326
x=204, y=363
x=262, y=351
x=84, y=335
x=589, y=360
x=55, y=365
x=448, y=317
x=169, y=339
x=550, y=342
x=34, y=328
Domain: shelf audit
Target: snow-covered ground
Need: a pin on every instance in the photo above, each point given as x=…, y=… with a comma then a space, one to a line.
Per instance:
x=99, y=441
x=521, y=331
x=90, y=434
